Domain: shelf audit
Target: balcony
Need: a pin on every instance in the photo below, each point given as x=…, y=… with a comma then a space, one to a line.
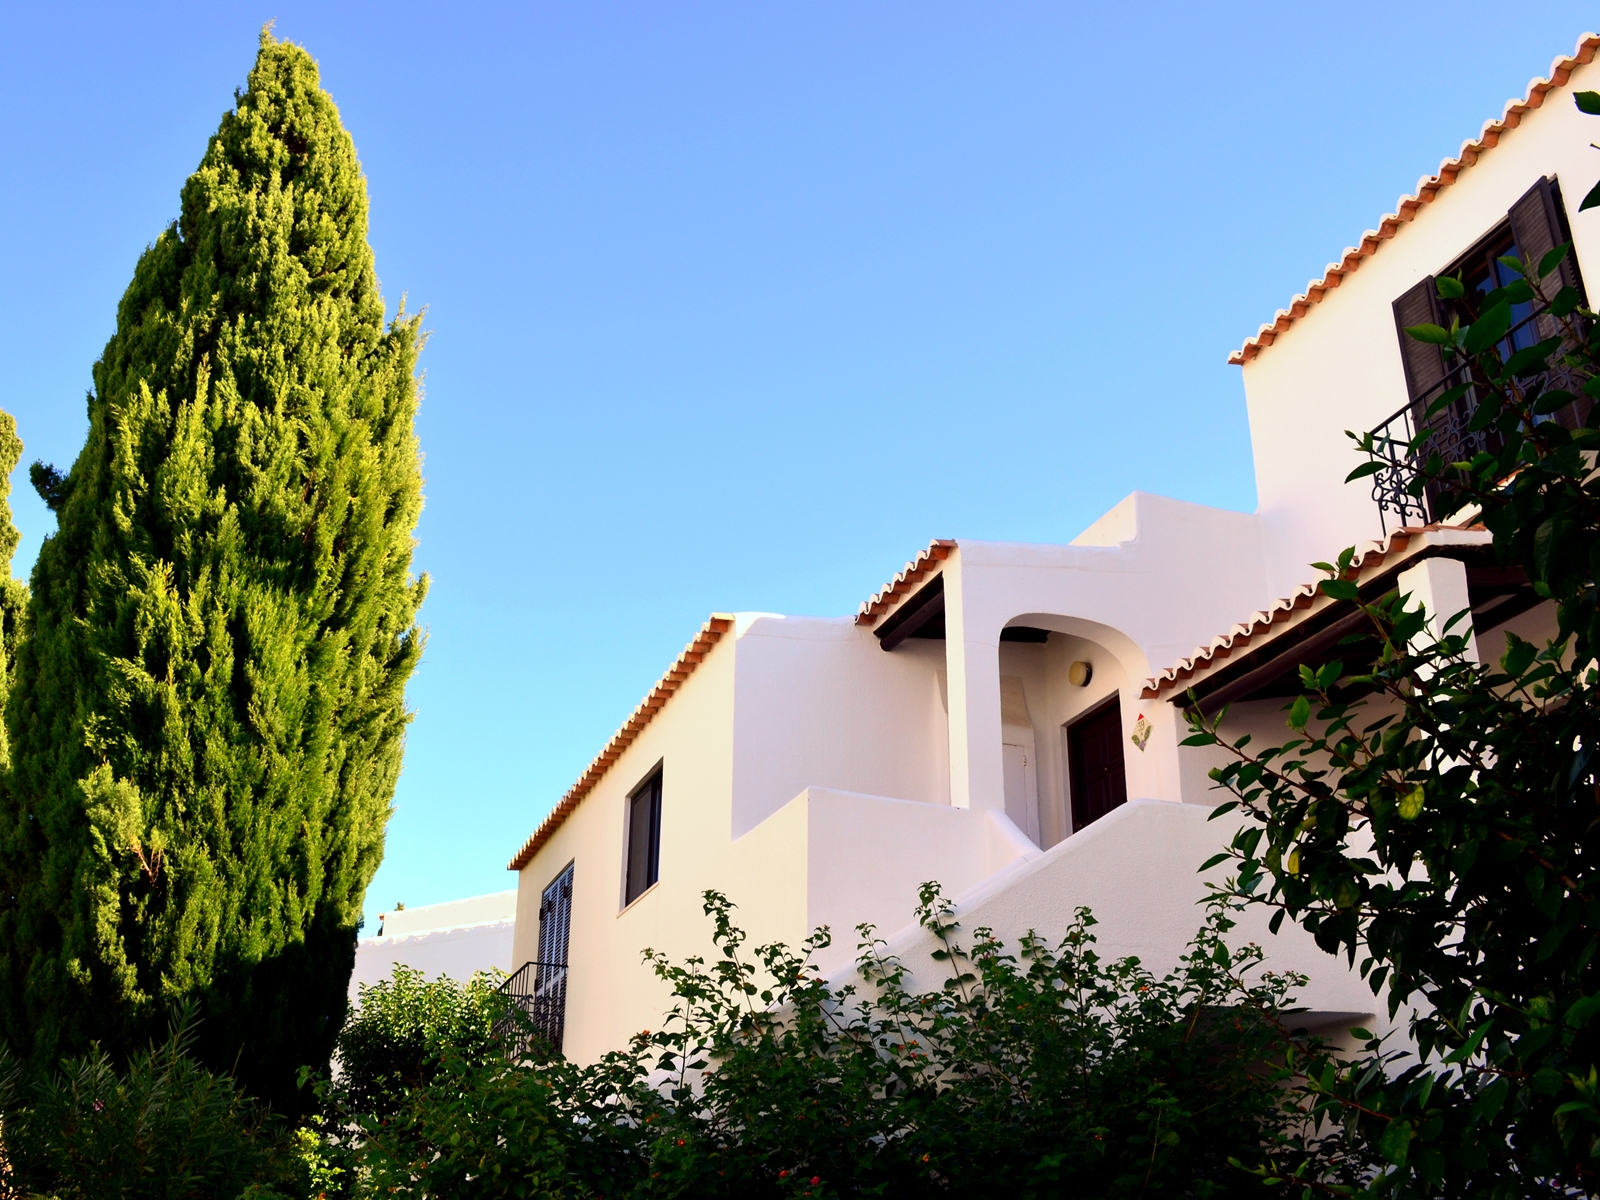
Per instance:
x=537, y=1008
x=1408, y=438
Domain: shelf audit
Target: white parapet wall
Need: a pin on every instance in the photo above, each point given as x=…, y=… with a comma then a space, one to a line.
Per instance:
x=455, y=938
x=1135, y=869
x=842, y=859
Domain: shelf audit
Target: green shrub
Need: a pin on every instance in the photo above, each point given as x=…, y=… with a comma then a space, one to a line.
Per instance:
x=1444, y=838
x=403, y=1029
x=1046, y=1073
x=1049, y=1072
x=163, y=1128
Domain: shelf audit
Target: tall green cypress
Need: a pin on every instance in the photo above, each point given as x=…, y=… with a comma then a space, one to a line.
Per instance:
x=207, y=716
x=13, y=595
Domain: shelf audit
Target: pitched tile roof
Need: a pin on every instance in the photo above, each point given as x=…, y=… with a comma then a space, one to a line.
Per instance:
x=1270, y=621
x=710, y=633
x=918, y=569
x=1427, y=188
x=693, y=655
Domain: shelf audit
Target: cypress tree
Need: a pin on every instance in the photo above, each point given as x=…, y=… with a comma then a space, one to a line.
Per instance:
x=207, y=716
x=13, y=594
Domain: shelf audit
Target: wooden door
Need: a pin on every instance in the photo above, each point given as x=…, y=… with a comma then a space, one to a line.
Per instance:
x=1094, y=764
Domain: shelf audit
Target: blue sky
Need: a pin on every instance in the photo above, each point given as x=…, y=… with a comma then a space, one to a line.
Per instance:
x=735, y=306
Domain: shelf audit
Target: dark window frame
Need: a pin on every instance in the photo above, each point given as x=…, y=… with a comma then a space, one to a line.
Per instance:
x=641, y=858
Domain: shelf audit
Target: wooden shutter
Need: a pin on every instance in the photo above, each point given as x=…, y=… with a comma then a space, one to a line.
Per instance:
x=555, y=919
x=1423, y=362
x=1539, y=225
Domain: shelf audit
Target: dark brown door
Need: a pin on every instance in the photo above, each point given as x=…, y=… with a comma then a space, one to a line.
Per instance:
x=1094, y=763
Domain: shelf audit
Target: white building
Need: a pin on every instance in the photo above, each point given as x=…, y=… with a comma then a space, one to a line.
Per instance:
x=456, y=938
x=1006, y=718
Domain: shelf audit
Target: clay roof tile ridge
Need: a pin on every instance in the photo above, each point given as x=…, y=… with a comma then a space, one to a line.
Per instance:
x=682, y=667
x=1428, y=187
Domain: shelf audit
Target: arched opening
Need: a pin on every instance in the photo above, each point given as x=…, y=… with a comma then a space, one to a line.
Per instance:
x=1063, y=688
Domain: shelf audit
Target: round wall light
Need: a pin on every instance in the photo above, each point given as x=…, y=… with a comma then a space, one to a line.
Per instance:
x=1079, y=674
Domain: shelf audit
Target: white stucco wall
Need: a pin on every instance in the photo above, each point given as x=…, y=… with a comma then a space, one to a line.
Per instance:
x=808, y=773
x=456, y=938
x=609, y=995
x=1182, y=573
x=821, y=705
x=1135, y=869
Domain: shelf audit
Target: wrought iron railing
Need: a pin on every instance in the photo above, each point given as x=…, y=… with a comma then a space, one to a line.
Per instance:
x=1397, y=445
x=538, y=1007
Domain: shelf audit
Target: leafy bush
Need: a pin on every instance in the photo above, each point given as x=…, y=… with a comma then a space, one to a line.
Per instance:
x=401, y=1032
x=165, y=1128
x=1447, y=838
x=1047, y=1073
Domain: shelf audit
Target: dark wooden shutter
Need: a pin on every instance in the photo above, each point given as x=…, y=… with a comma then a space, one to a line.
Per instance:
x=555, y=919
x=547, y=1006
x=1539, y=225
x=1423, y=361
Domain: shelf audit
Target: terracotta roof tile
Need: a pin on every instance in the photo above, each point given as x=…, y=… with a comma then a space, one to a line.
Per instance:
x=693, y=654
x=1270, y=620
x=918, y=569
x=1427, y=188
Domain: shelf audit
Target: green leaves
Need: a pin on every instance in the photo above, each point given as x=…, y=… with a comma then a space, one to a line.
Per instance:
x=1491, y=325
x=1395, y=1144
x=1365, y=469
x=1432, y=334
x=1299, y=712
x=1587, y=102
x=1553, y=258
x=1028, y=1065
x=1410, y=807
x=1432, y=818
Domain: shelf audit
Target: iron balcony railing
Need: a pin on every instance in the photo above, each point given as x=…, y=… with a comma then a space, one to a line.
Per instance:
x=538, y=1007
x=1448, y=432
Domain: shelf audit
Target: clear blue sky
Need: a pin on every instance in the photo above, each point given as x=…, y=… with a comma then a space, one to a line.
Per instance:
x=734, y=306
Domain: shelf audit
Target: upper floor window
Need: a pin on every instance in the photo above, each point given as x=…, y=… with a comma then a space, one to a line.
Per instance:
x=644, y=838
x=1534, y=226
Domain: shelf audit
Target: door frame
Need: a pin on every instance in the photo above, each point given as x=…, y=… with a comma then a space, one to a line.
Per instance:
x=1074, y=761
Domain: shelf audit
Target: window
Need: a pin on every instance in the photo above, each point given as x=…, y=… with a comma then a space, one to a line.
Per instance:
x=1534, y=226
x=644, y=838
